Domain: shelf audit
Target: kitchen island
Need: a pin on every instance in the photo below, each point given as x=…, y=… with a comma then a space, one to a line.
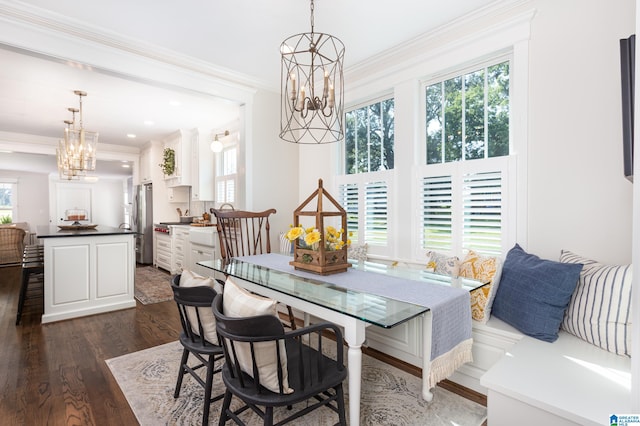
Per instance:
x=87, y=271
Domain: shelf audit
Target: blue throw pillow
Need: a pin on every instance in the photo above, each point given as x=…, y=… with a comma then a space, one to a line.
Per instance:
x=534, y=293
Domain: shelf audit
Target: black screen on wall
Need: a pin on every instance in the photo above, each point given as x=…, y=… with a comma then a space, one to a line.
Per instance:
x=627, y=67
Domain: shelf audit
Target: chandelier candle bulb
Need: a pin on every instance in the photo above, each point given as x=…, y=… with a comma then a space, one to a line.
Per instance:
x=293, y=87
x=302, y=96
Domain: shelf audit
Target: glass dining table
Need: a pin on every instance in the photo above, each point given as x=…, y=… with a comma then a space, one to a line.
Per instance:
x=352, y=309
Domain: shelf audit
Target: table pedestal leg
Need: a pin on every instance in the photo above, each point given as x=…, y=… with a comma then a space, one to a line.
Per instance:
x=426, y=356
x=354, y=333
x=355, y=381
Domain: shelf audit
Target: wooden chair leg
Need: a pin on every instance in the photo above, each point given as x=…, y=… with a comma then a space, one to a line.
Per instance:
x=226, y=405
x=292, y=319
x=183, y=361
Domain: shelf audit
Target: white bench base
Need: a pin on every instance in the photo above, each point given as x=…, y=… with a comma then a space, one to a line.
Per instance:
x=567, y=382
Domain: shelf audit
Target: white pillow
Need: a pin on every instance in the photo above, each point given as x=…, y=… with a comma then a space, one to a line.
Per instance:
x=600, y=307
x=191, y=279
x=443, y=264
x=357, y=252
x=237, y=303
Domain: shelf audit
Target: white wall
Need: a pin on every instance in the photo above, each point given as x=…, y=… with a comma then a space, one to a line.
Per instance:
x=578, y=197
x=33, y=197
x=271, y=164
x=107, y=199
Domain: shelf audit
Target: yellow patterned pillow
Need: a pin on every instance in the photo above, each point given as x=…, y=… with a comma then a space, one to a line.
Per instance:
x=482, y=268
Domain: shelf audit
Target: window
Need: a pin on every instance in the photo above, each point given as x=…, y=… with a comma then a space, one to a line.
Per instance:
x=369, y=138
x=227, y=174
x=463, y=187
x=468, y=116
x=8, y=200
x=369, y=162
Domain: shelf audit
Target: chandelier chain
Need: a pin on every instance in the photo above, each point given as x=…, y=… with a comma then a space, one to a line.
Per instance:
x=312, y=20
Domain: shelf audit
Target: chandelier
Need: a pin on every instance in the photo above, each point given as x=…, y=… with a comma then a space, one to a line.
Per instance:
x=311, y=88
x=76, y=153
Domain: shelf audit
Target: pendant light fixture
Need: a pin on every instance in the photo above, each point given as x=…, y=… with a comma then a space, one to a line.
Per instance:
x=312, y=88
x=64, y=165
x=78, y=150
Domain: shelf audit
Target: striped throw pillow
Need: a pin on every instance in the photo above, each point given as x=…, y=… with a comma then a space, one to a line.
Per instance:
x=600, y=307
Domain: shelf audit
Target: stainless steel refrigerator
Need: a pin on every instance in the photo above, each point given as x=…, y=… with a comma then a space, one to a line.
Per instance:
x=143, y=222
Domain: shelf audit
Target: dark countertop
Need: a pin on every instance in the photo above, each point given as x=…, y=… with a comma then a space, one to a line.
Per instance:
x=47, y=231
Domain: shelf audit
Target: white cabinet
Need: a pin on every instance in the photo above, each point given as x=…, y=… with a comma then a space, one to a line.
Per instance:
x=180, y=242
x=201, y=168
x=180, y=142
x=144, y=172
x=203, y=246
x=87, y=274
x=163, y=251
x=178, y=194
x=198, y=253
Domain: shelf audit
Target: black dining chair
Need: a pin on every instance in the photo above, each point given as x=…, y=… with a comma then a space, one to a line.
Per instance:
x=258, y=346
x=194, y=305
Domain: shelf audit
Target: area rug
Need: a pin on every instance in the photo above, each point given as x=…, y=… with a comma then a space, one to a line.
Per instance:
x=152, y=285
x=389, y=396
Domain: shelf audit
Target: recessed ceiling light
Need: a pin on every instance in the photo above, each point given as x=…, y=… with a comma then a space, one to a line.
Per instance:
x=126, y=166
x=174, y=103
x=5, y=151
x=149, y=122
x=131, y=135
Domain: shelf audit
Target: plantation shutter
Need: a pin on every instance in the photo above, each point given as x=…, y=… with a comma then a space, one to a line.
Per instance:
x=376, y=213
x=464, y=206
x=348, y=197
x=482, y=212
x=437, y=219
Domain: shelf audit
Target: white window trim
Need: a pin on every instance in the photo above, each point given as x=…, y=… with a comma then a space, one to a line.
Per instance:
x=14, y=197
x=518, y=137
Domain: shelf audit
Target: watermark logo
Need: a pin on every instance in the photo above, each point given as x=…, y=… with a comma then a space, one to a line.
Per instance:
x=624, y=420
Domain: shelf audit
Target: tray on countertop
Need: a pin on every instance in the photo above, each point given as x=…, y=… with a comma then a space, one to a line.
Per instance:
x=76, y=227
x=203, y=224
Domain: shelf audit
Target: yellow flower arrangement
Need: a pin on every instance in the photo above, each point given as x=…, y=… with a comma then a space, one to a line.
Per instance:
x=311, y=237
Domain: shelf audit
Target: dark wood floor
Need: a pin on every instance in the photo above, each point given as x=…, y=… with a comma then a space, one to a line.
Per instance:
x=55, y=374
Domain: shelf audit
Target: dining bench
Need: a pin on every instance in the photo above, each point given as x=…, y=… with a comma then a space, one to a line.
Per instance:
x=567, y=382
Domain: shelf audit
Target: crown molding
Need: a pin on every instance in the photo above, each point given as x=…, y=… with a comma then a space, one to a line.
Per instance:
x=483, y=23
x=34, y=144
x=59, y=30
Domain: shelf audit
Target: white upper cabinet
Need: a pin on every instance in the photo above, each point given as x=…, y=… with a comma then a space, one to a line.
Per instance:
x=202, y=181
x=145, y=165
x=180, y=143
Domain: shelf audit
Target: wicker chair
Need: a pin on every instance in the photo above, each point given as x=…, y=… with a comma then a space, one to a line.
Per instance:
x=11, y=246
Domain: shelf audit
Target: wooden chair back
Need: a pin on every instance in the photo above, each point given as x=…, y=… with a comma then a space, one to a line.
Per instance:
x=243, y=233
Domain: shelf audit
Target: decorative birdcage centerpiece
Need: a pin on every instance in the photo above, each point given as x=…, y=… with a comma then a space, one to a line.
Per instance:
x=319, y=236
